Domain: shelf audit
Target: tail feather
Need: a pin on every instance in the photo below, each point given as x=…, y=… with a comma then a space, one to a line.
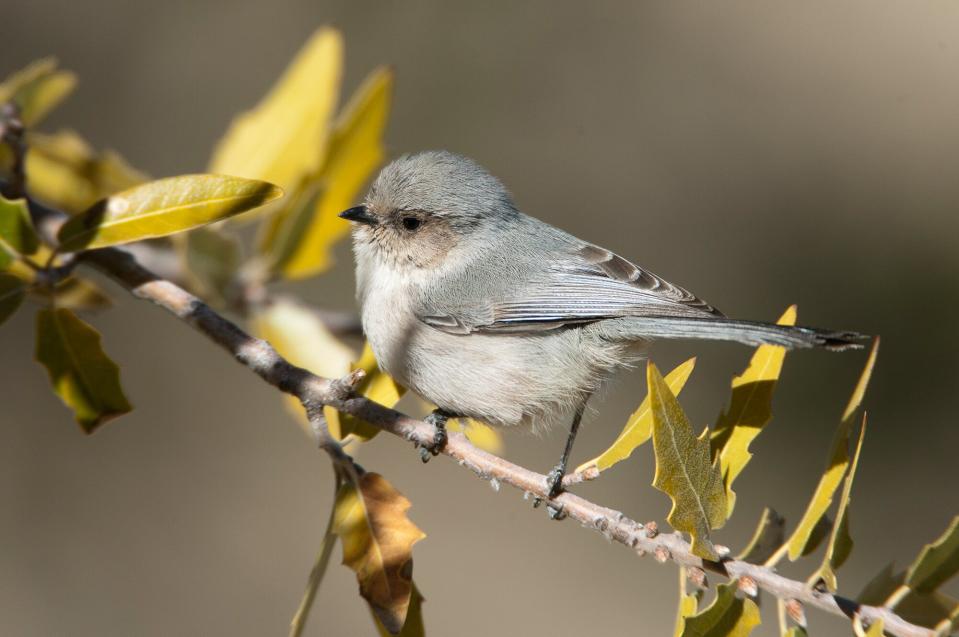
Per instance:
x=747, y=332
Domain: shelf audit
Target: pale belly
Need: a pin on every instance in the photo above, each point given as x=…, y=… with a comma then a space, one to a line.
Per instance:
x=504, y=380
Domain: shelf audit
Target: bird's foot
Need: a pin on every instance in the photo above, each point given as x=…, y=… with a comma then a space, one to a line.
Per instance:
x=438, y=419
x=554, y=481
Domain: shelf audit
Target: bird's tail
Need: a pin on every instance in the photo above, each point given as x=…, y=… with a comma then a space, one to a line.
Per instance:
x=747, y=332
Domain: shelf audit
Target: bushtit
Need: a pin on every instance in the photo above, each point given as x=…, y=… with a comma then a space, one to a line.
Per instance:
x=494, y=315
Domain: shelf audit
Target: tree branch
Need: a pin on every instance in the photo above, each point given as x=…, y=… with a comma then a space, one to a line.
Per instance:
x=314, y=392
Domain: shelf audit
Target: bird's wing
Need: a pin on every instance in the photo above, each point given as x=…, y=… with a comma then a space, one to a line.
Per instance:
x=583, y=283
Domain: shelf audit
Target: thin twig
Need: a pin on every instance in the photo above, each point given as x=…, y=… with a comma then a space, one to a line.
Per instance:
x=260, y=357
x=314, y=392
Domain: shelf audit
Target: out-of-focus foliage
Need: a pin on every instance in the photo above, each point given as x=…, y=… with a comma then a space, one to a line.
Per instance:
x=938, y=561
x=297, y=241
x=66, y=172
x=683, y=469
x=13, y=289
x=727, y=616
x=377, y=536
x=835, y=467
x=639, y=427
x=377, y=386
x=767, y=538
x=16, y=231
x=750, y=409
x=163, y=207
x=298, y=334
x=80, y=371
x=213, y=258
x=478, y=433
x=283, y=140
x=37, y=89
x=76, y=293
x=932, y=609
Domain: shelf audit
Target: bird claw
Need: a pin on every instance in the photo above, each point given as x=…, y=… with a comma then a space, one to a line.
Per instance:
x=554, y=481
x=438, y=419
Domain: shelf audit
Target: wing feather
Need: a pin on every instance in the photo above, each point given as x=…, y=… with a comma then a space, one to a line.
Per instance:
x=583, y=285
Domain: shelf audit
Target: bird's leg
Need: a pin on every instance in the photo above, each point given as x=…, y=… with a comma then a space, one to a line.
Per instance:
x=438, y=419
x=554, y=479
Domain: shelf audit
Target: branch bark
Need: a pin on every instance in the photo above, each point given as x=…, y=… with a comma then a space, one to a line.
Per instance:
x=314, y=392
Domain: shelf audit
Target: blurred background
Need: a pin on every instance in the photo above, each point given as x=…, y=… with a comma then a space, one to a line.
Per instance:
x=760, y=154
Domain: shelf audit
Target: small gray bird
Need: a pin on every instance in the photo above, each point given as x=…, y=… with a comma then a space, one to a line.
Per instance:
x=494, y=315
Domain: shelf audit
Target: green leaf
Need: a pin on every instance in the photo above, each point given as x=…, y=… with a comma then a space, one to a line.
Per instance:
x=796, y=631
x=12, y=291
x=67, y=173
x=378, y=537
x=80, y=372
x=835, y=469
x=727, y=616
x=163, y=207
x=750, y=409
x=840, y=542
x=683, y=469
x=299, y=245
x=937, y=562
x=17, y=235
x=888, y=588
x=37, y=89
x=767, y=538
x=212, y=259
x=284, y=138
x=80, y=294
x=639, y=427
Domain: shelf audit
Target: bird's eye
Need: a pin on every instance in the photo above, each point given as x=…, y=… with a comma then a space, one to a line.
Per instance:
x=411, y=223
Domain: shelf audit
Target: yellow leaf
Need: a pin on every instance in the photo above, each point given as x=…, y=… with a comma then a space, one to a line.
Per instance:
x=379, y=387
x=688, y=603
x=750, y=409
x=283, y=138
x=414, y=626
x=17, y=236
x=937, y=562
x=840, y=542
x=67, y=173
x=767, y=538
x=727, y=616
x=683, y=469
x=377, y=536
x=299, y=335
x=13, y=289
x=875, y=629
x=299, y=244
x=478, y=433
x=80, y=372
x=835, y=469
x=163, y=207
x=37, y=89
x=639, y=427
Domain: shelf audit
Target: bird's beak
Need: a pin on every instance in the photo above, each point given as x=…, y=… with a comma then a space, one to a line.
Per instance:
x=359, y=214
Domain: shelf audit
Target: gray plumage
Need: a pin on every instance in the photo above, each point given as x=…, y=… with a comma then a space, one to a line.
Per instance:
x=495, y=315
